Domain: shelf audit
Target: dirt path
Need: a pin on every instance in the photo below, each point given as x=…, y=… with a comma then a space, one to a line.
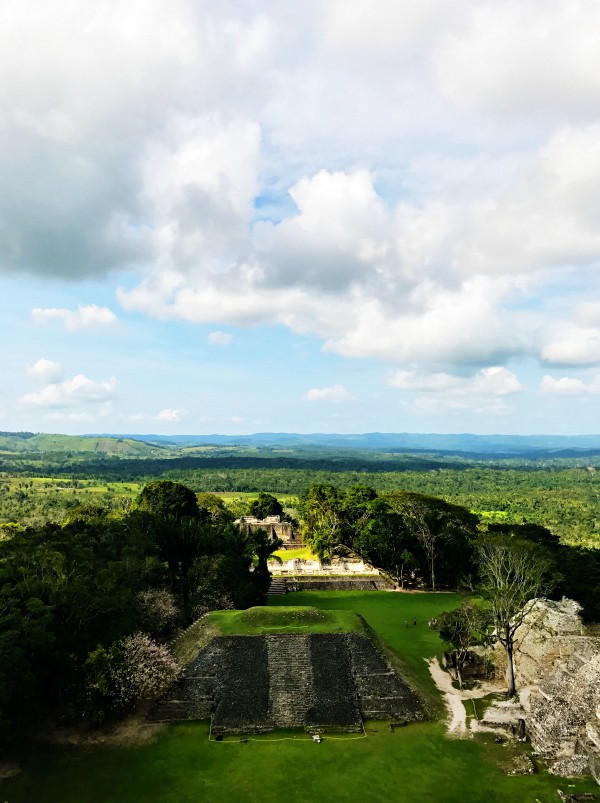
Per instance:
x=453, y=698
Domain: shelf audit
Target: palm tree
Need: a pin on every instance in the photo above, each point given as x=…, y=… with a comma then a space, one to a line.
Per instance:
x=264, y=548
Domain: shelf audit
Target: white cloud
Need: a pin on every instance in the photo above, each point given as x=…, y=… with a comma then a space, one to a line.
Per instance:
x=348, y=196
x=71, y=392
x=574, y=346
x=169, y=415
x=136, y=417
x=483, y=392
x=220, y=338
x=542, y=56
x=45, y=370
x=570, y=386
x=83, y=316
x=336, y=393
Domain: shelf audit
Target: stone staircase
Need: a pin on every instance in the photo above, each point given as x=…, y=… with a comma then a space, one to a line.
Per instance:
x=278, y=587
x=192, y=697
x=290, y=680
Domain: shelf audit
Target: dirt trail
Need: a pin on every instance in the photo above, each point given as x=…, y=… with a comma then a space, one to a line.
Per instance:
x=453, y=698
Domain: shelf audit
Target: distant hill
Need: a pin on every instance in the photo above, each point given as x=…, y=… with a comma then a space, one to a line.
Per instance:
x=465, y=444
x=110, y=445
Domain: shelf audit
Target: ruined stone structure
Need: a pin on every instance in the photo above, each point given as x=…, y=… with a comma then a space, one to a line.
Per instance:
x=557, y=664
x=319, y=682
x=274, y=527
x=345, y=572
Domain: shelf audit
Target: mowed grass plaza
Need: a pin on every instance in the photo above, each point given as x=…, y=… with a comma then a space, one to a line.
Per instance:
x=419, y=762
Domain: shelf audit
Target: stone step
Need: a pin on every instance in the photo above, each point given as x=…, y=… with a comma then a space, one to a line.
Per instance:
x=290, y=679
x=278, y=586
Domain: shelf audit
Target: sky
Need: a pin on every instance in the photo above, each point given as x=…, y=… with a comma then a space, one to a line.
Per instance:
x=323, y=216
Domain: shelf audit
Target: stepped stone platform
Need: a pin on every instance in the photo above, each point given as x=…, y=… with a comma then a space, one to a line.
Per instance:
x=318, y=681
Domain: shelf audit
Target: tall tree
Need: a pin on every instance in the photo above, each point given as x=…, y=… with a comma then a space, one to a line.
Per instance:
x=513, y=573
x=322, y=509
x=265, y=505
x=168, y=499
x=442, y=530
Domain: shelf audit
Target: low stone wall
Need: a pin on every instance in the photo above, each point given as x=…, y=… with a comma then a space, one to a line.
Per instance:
x=378, y=583
x=341, y=566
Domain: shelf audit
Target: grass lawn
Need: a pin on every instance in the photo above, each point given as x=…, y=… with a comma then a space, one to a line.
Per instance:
x=303, y=553
x=417, y=763
x=292, y=619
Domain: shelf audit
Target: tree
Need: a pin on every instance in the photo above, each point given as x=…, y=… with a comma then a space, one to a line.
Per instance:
x=383, y=538
x=264, y=548
x=213, y=506
x=165, y=498
x=461, y=629
x=513, y=574
x=322, y=510
x=265, y=505
x=443, y=530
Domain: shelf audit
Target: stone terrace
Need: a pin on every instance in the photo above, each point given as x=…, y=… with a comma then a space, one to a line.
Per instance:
x=321, y=681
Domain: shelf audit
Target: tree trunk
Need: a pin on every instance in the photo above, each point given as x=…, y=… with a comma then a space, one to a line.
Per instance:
x=510, y=668
x=432, y=575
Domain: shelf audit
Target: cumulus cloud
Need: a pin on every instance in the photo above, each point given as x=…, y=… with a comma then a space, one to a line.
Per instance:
x=169, y=415
x=349, y=198
x=574, y=346
x=483, y=392
x=569, y=386
x=220, y=338
x=83, y=316
x=45, y=370
x=335, y=393
x=71, y=392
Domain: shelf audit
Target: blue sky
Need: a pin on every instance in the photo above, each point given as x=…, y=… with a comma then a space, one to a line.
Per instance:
x=341, y=216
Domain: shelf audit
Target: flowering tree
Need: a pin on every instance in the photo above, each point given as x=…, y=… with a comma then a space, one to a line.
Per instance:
x=158, y=609
x=143, y=670
x=133, y=670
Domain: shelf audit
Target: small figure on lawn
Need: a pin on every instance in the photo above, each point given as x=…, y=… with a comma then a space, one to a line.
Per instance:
x=406, y=623
x=415, y=621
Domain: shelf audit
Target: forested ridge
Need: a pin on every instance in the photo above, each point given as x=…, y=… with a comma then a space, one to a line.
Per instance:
x=565, y=498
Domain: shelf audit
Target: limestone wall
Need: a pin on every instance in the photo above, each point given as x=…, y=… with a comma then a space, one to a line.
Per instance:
x=315, y=567
x=560, y=662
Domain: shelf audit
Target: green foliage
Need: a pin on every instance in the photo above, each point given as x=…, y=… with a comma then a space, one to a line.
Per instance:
x=168, y=499
x=69, y=592
x=463, y=628
x=265, y=505
x=264, y=548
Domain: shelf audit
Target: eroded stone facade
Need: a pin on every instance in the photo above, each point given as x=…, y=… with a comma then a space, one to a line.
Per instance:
x=557, y=663
x=274, y=527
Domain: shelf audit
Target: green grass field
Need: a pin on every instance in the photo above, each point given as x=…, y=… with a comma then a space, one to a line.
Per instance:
x=418, y=763
x=292, y=619
x=303, y=553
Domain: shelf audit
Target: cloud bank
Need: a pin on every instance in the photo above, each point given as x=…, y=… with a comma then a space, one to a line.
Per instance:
x=417, y=184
